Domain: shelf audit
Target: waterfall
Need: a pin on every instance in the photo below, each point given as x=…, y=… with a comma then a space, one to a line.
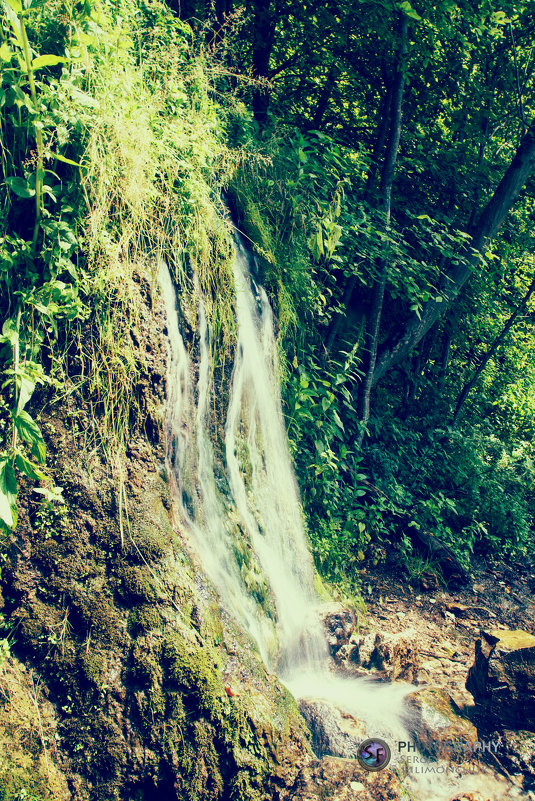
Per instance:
x=245, y=527
x=250, y=539
x=266, y=495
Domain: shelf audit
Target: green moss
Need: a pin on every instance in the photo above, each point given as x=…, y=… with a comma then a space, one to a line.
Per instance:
x=145, y=668
x=138, y=583
x=96, y=611
x=149, y=543
x=251, y=221
x=195, y=670
x=206, y=776
x=211, y=624
x=27, y=768
x=93, y=667
x=142, y=619
x=250, y=569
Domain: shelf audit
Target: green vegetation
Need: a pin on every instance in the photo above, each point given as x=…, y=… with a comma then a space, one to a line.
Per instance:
x=393, y=210
x=380, y=164
x=398, y=260
x=113, y=154
x=28, y=764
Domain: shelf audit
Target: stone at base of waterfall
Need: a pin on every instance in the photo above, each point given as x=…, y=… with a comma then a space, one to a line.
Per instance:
x=345, y=780
x=438, y=730
x=339, y=624
x=502, y=678
x=518, y=755
x=393, y=656
x=334, y=733
x=472, y=797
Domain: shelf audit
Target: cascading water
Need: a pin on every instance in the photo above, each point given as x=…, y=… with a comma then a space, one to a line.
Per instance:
x=265, y=494
x=247, y=528
x=262, y=493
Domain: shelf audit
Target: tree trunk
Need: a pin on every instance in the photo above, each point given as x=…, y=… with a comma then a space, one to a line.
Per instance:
x=387, y=179
x=445, y=351
x=490, y=353
x=325, y=96
x=382, y=130
x=263, y=41
x=489, y=222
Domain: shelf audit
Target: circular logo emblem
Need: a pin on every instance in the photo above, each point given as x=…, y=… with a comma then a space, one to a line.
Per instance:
x=373, y=754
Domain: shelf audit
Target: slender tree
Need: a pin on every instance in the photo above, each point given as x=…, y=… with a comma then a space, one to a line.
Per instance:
x=387, y=179
x=490, y=220
x=490, y=353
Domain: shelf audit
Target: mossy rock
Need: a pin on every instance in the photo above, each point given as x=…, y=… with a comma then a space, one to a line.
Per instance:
x=137, y=583
x=195, y=670
x=27, y=765
x=142, y=619
x=94, y=611
x=149, y=544
x=152, y=534
x=145, y=663
x=92, y=666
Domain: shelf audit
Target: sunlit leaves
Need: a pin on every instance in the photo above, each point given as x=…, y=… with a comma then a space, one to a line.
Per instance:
x=20, y=187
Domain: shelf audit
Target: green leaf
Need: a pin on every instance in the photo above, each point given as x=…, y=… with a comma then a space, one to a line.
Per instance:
x=337, y=419
x=20, y=187
x=8, y=493
x=315, y=244
x=5, y=510
x=64, y=159
x=83, y=99
x=26, y=387
x=407, y=9
x=5, y=52
x=12, y=8
x=10, y=332
x=48, y=61
x=30, y=433
x=29, y=469
x=52, y=494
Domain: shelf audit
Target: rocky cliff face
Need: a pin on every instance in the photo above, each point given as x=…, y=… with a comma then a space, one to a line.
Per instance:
x=151, y=691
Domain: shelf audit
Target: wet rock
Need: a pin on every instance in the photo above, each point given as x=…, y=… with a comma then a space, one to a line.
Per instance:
x=333, y=733
x=502, y=678
x=344, y=780
x=434, y=722
x=518, y=755
x=396, y=656
x=339, y=623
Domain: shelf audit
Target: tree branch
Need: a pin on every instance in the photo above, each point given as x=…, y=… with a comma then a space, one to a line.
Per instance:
x=490, y=220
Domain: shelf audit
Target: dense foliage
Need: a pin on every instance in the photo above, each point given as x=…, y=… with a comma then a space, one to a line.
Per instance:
x=112, y=152
x=363, y=150
x=404, y=294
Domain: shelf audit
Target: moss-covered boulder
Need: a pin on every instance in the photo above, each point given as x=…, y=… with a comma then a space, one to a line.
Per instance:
x=437, y=726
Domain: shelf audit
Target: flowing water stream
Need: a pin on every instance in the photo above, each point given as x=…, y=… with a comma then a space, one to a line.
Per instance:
x=240, y=508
